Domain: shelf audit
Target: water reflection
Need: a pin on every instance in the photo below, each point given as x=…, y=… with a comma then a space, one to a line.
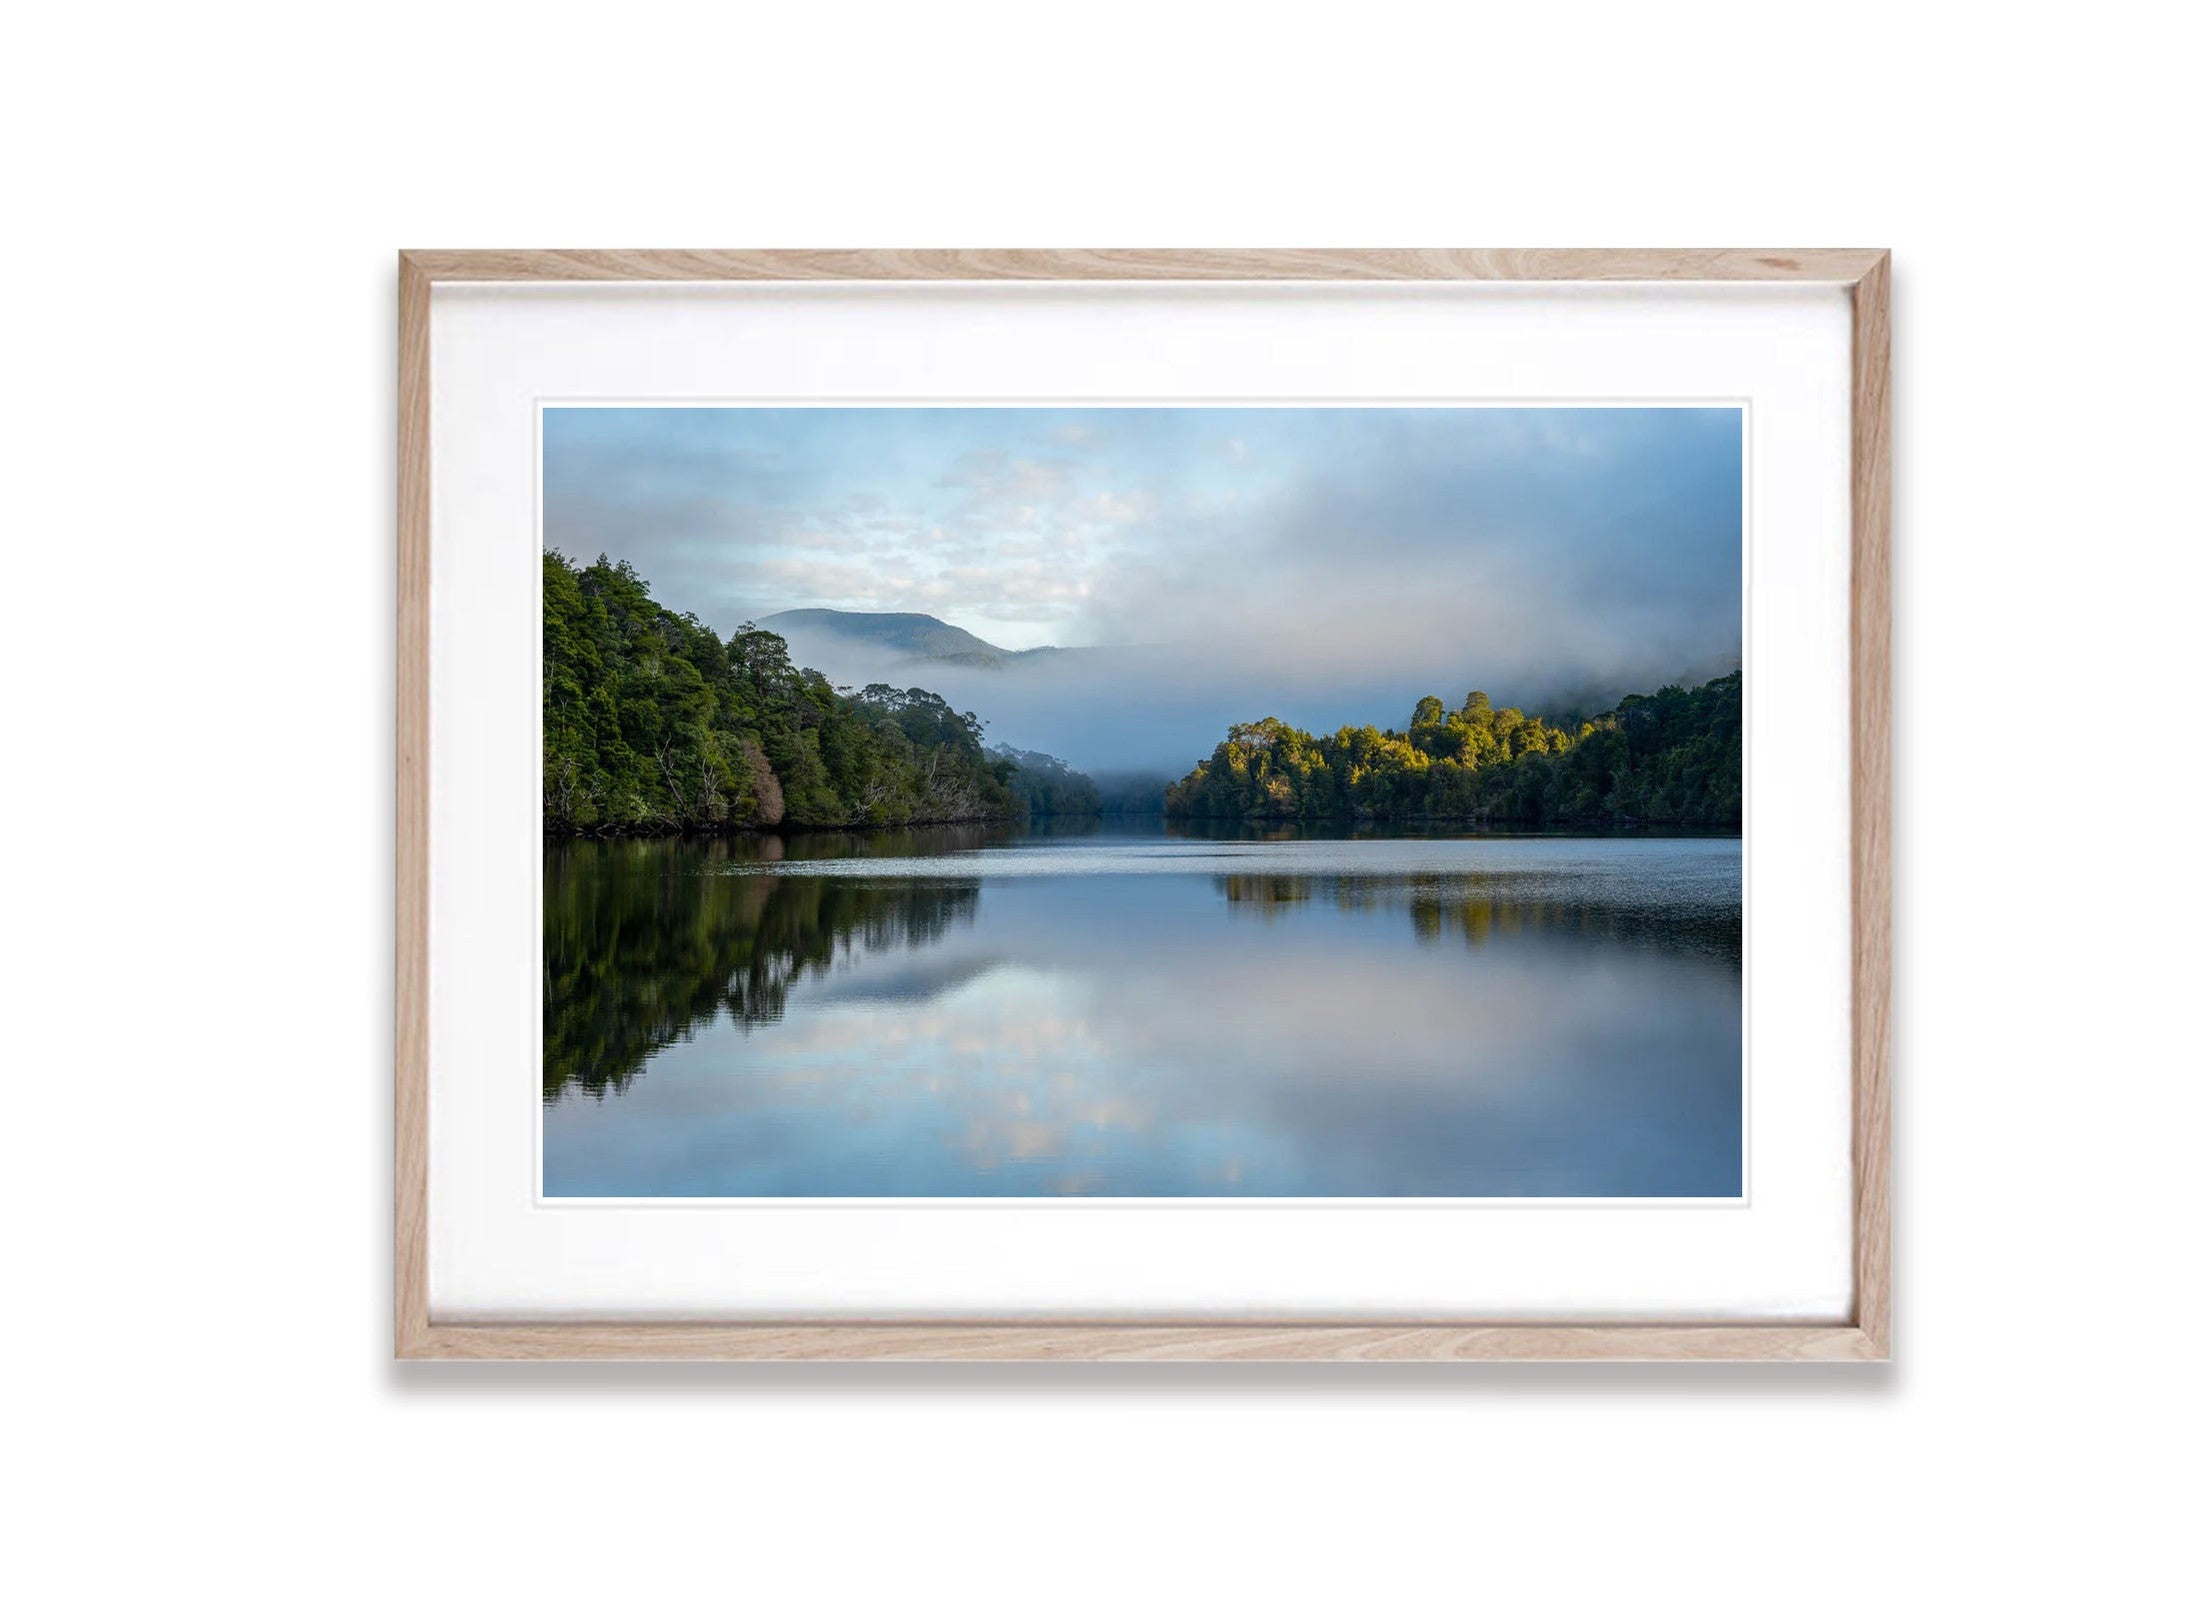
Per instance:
x=645, y=942
x=1477, y=906
x=1081, y=1012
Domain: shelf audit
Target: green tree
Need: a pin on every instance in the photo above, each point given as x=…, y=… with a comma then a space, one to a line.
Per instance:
x=652, y=724
x=1673, y=757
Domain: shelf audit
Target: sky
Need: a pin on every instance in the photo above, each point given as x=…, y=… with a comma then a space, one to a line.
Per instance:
x=1306, y=562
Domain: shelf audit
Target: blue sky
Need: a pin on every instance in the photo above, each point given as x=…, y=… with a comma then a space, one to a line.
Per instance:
x=1288, y=550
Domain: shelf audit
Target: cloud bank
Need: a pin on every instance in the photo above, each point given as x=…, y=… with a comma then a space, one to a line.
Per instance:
x=1325, y=565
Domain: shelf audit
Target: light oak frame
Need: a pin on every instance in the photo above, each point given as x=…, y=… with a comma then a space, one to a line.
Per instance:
x=1862, y=1336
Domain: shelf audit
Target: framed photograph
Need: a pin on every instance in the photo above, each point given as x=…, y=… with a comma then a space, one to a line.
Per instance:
x=1248, y=804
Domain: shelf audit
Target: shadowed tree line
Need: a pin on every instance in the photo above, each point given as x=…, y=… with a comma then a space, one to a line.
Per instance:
x=653, y=724
x=1672, y=758
x=642, y=947
x=1049, y=787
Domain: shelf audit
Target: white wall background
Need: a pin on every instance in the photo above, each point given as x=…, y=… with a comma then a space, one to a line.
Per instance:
x=197, y=622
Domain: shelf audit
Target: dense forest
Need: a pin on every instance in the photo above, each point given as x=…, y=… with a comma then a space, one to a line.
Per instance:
x=653, y=724
x=1672, y=758
x=1046, y=786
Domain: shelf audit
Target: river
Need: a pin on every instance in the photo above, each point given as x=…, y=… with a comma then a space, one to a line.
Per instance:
x=1133, y=1010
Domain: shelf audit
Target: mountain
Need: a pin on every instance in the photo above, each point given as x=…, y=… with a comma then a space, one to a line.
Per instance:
x=901, y=635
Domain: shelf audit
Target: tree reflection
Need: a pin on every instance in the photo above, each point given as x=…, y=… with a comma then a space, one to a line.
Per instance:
x=1474, y=907
x=1265, y=894
x=647, y=941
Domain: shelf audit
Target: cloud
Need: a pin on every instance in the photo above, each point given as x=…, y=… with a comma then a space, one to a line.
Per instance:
x=1341, y=562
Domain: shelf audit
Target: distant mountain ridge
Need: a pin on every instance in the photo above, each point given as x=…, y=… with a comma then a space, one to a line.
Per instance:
x=909, y=635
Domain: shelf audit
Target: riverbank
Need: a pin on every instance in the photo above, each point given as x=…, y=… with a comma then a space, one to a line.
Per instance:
x=554, y=832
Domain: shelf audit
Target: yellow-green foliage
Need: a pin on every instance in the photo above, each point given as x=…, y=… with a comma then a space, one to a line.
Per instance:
x=1672, y=757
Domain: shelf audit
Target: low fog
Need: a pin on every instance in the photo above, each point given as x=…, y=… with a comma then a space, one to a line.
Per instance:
x=1160, y=710
x=1196, y=567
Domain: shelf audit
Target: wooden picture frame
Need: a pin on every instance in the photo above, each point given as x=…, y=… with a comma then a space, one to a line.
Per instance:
x=1862, y=1336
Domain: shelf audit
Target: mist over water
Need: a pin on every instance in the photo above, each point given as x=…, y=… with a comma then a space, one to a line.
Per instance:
x=1199, y=565
x=1160, y=1012
x=1163, y=709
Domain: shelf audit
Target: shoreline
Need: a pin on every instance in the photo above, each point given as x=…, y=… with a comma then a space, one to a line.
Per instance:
x=1326, y=830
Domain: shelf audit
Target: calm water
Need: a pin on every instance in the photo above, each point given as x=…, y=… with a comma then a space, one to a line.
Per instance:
x=956, y=1013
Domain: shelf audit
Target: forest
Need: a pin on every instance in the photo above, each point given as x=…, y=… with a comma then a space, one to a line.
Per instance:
x=1048, y=787
x=653, y=724
x=1672, y=758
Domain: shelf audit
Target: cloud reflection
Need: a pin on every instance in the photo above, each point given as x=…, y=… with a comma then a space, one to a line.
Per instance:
x=1194, y=1033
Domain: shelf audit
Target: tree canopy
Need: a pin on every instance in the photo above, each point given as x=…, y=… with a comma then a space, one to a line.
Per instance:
x=1670, y=758
x=653, y=724
x=1049, y=787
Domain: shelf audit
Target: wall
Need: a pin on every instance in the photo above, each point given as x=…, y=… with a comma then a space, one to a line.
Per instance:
x=198, y=648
